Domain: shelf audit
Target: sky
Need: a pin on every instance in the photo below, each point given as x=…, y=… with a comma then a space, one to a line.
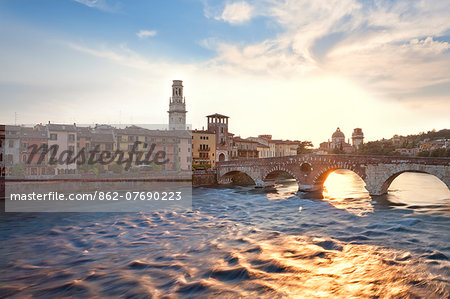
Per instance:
x=293, y=69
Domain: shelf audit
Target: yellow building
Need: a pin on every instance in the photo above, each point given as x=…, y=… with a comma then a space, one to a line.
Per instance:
x=203, y=148
x=263, y=150
x=284, y=147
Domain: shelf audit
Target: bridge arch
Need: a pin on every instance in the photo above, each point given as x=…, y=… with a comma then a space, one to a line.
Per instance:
x=389, y=178
x=237, y=177
x=273, y=173
x=322, y=175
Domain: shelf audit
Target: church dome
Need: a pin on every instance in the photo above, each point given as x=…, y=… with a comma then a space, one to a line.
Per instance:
x=338, y=134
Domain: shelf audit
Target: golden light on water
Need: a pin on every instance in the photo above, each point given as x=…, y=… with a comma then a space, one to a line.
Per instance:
x=344, y=189
x=308, y=267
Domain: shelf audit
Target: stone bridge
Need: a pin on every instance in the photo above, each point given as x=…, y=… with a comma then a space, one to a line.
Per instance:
x=310, y=171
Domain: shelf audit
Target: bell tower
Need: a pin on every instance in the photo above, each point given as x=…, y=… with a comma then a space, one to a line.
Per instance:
x=177, y=107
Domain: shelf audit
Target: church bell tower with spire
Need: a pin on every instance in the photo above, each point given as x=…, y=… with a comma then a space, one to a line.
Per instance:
x=177, y=107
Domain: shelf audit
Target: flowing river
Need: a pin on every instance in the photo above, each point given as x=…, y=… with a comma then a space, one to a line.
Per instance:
x=241, y=242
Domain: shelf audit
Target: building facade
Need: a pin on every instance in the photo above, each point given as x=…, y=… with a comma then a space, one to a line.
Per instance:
x=246, y=149
x=203, y=149
x=11, y=148
x=31, y=138
x=65, y=138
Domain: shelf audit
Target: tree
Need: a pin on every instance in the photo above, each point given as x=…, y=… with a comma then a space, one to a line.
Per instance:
x=116, y=168
x=18, y=169
x=304, y=147
x=439, y=152
x=423, y=154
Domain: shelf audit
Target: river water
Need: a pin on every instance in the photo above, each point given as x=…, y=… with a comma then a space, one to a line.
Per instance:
x=241, y=241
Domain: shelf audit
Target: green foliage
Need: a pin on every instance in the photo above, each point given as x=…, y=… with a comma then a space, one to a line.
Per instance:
x=18, y=169
x=387, y=147
x=304, y=147
x=116, y=168
x=201, y=166
x=423, y=154
x=384, y=148
x=439, y=152
x=338, y=151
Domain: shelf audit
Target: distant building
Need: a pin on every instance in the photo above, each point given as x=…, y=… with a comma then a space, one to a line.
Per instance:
x=177, y=107
x=2, y=152
x=357, y=137
x=263, y=150
x=265, y=139
x=337, y=139
x=338, y=143
x=246, y=149
x=175, y=143
x=65, y=137
x=11, y=148
x=30, y=138
x=203, y=148
x=276, y=147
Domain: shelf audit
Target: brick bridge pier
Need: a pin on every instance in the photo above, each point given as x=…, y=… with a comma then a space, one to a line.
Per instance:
x=311, y=171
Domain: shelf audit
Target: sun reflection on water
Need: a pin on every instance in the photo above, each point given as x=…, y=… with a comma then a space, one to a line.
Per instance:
x=344, y=189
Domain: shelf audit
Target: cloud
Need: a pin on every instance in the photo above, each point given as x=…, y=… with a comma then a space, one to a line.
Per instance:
x=391, y=48
x=236, y=13
x=143, y=34
x=99, y=4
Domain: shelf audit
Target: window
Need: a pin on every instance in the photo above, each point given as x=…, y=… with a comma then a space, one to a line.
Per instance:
x=24, y=146
x=131, y=138
x=72, y=137
x=24, y=158
x=53, y=136
x=119, y=138
x=71, y=148
x=11, y=143
x=109, y=147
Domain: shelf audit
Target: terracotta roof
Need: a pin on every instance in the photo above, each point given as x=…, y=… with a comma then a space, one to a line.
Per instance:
x=61, y=127
x=203, y=132
x=218, y=115
x=31, y=133
x=239, y=139
x=135, y=130
x=262, y=145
